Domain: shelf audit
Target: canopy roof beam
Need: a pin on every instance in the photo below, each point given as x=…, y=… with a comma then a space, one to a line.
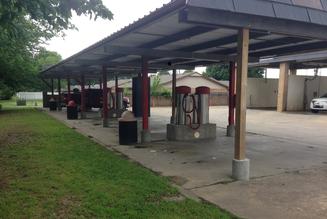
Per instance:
x=156, y=53
x=219, y=18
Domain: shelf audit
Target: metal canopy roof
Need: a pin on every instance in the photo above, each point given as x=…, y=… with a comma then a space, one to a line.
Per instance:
x=188, y=33
x=298, y=61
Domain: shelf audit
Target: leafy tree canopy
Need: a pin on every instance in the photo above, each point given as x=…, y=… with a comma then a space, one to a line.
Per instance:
x=51, y=16
x=25, y=26
x=221, y=72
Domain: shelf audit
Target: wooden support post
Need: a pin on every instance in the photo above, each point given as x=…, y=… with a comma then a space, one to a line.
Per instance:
x=241, y=165
x=59, y=94
x=83, y=101
x=105, y=97
x=231, y=102
x=242, y=76
x=173, y=98
x=282, y=87
x=146, y=136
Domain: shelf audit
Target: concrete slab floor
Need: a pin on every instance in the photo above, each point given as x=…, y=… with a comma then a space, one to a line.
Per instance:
x=284, y=149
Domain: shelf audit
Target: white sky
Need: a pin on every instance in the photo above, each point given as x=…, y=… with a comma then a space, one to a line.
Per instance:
x=90, y=31
x=125, y=12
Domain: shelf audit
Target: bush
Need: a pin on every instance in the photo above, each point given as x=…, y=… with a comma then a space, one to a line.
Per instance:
x=6, y=92
x=21, y=102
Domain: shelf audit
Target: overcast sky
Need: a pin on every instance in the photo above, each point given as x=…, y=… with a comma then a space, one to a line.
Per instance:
x=125, y=12
x=89, y=31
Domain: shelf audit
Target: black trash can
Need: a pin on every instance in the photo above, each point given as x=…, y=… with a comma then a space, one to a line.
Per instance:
x=127, y=129
x=72, y=111
x=52, y=105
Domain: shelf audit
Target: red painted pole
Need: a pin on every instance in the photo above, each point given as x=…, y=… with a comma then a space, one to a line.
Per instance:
x=232, y=82
x=83, y=107
x=173, y=98
x=52, y=87
x=59, y=94
x=69, y=91
x=145, y=92
x=116, y=92
x=105, y=95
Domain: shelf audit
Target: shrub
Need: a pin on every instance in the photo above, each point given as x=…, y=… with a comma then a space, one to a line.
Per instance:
x=6, y=92
x=21, y=102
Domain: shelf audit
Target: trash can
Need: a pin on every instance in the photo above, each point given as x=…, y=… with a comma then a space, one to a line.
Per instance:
x=52, y=104
x=127, y=129
x=72, y=111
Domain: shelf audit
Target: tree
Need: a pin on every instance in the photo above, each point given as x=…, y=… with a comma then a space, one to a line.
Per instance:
x=157, y=89
x=221, y=72
x=25, y=26
x=51, y=16
x=45, y=59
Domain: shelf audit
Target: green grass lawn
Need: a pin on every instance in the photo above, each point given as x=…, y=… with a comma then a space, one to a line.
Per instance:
x=48, y=170
x=12, y=103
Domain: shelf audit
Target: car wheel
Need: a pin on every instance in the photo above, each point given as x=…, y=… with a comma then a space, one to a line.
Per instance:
x=314, y=111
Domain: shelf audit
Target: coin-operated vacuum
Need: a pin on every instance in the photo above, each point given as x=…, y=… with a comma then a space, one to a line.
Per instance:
x=115, y=103
x=191, y=119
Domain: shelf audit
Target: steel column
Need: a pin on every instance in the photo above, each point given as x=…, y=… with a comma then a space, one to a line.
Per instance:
x=146, y=137
x=173, y=98
x=116, y=92
x=145, y=98
x=105, y=97
x=231, y=104
x=52, y=87
x=69, y=97
x=59, y=94
x=83, y=103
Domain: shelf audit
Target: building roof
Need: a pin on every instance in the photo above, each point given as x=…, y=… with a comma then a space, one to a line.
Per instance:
x=188, y=33
x=166, y=80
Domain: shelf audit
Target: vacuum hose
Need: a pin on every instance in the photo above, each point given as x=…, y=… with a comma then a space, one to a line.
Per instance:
x=193, y=109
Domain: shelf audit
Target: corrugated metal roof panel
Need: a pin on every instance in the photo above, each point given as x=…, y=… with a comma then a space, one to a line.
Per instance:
x=164, y=30
x=255, y=7
x=324, y=4
x=285, y=9
x=290, y=12
x=309, y=3
x=318, y=17
x=227, y=5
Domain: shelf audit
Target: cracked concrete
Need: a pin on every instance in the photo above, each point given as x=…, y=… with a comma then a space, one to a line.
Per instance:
x=288, y=154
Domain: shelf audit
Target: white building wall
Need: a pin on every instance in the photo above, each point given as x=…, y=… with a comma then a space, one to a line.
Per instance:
x=30, y=95
x=262, y=93
x=295, y=93
x=316, y=88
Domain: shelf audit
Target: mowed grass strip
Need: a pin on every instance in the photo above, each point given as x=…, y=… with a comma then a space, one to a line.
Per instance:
x=49, y=171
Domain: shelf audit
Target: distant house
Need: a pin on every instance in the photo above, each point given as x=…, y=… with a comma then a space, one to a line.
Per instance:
x=219, y=89
x=192, y=79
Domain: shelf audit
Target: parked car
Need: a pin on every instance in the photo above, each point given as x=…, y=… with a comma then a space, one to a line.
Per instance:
x=319, y=104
